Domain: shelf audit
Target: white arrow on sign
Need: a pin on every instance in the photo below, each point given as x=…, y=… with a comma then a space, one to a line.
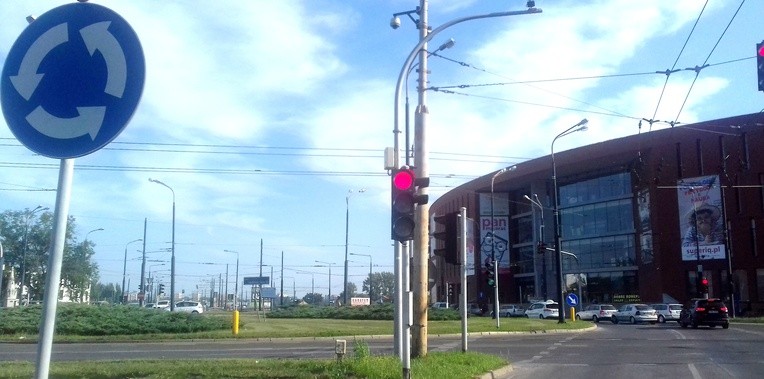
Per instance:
x=98, y=37
x=27, y=80
x=88, y=122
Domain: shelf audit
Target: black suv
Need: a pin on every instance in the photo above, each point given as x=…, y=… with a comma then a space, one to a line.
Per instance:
x=711, y=312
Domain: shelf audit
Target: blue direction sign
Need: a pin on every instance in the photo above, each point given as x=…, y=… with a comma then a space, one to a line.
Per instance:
x=72, y=80
x=571, y=300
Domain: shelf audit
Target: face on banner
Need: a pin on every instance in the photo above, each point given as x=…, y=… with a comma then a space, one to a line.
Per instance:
x=494, y=234
x=700, y=218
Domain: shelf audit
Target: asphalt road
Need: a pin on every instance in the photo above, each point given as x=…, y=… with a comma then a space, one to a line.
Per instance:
x=613, y=351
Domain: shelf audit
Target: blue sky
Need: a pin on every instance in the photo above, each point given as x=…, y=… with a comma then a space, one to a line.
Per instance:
x=262, y=116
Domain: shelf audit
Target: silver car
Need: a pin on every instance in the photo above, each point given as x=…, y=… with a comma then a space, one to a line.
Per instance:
x=667, y=312
x=634, y=313
x=596, y=312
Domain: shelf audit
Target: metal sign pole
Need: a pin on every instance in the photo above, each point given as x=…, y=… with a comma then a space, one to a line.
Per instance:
x=55, y=258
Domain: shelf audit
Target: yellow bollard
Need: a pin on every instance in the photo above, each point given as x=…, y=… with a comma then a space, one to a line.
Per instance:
x=572, y=313
x=235, y=323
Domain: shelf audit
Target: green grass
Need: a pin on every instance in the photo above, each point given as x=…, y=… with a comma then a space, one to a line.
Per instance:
x=435, y=365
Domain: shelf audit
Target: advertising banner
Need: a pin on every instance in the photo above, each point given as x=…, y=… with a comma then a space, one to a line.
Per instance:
x=494, y=233
x=700, y=218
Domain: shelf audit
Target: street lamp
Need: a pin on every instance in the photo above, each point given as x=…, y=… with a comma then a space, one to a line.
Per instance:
x=172, y=257
x=420, y=162
x=330, y=276
x=371, y=299
x=124, y=269
x=347, y=228
x=493, y=249
x=581, y=126
x=537, y=203
x=29, y=215
x=84, y=246
x=236, y=287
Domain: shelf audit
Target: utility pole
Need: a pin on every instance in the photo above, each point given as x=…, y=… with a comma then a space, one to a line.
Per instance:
x=420, y=263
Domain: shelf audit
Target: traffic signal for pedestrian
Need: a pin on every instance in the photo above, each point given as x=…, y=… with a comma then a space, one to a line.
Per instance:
x=760, y=64
x=404, y=202
x=490, y=272
x=446, y=237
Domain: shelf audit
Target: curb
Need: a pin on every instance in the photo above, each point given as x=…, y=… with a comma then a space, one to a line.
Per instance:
x=502, y=372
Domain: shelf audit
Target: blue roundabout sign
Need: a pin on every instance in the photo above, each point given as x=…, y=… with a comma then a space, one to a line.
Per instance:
x=72, y=80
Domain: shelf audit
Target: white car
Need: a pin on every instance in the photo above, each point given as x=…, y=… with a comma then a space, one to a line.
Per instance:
x=634, y=313
x=189, y=306
x=667, y=312
x=596, y=312
x=162, y=304
x=543, y=310
x=510, y=310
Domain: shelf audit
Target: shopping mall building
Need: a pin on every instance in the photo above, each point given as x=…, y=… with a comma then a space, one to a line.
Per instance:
x=642, y=218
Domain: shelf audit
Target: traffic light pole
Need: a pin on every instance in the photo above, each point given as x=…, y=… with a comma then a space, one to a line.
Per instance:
x=420, y=158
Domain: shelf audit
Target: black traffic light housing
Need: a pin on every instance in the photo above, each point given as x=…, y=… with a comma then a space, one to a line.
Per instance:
x=490, y=273
x=450, y=289
x=446, y=239
x=405, y=186
x=704, y=286
x=161, y=288
x=760, y=64
x=541, y=248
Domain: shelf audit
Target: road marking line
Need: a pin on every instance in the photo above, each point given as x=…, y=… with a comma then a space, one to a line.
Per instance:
x=694, y=371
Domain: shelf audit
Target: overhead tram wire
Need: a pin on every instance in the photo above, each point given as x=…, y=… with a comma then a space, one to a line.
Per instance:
x=697, y=69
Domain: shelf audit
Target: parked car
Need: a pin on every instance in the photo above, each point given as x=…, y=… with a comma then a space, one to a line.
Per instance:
x=441, y=305
x=189, y=306
x=667, y=312
x=162, y=304
x=711, y=312
x=634, y=313
x=543, y=310
x=474, y=310
x=596, y=312
x=510, y=310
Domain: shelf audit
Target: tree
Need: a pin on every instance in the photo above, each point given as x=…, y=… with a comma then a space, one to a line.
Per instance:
x=383, y=284
x=352, y=290
x=313, y=298
x=30, y=232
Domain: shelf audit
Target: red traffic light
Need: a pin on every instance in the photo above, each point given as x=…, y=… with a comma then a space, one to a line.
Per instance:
x=403, y=179
x=704, y=281
x=761, y=49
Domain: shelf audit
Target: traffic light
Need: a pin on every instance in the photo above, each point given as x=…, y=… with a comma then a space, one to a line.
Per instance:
x=161, y=288
x=541, y=248
x=447, y=237
x=490, y=273
x=404, y=201
x=140, y=288
x=450, y=289
x=760, y=64
x=704, y=286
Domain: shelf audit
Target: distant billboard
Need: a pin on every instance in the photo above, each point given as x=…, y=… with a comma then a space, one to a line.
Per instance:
x=256, y=280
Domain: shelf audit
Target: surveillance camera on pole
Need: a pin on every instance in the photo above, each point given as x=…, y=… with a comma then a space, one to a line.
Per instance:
x=395, y=22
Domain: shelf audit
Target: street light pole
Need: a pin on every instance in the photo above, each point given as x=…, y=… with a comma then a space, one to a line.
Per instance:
x=236, y=286
x=347, y=229
x=172, y=257
x=493, y=249
x=330, y=277
x=558, y=255
x=84, y=247
x=124, y=270
x=420, y=162
x=371, y=298
x=537, y=203
x=29, y=215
